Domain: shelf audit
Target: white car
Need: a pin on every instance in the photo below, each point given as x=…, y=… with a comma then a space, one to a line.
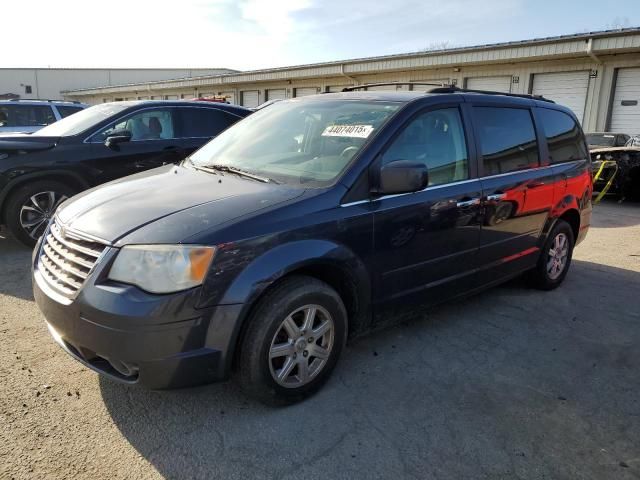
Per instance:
x=27, y=116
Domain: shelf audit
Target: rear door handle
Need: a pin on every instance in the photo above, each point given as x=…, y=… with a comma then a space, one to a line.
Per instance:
x=535, y=184
x=468, y=203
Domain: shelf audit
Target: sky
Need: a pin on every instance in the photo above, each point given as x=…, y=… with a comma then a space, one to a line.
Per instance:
x=254, y=34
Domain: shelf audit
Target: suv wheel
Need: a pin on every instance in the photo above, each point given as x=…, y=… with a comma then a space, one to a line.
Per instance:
x=555, y=259
x=30, y=208
x=293, y=340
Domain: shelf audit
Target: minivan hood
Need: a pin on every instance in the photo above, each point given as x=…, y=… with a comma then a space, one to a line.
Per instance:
x=26, y=142
x=111, y=211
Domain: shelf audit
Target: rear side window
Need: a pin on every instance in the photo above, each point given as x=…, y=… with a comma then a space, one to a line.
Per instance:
x=65, y=110
x=204, y=122
x=563, y=136
x=26, y=115
x=507, y=139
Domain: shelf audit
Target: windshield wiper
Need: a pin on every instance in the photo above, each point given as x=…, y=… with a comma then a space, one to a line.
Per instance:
x=226, y=168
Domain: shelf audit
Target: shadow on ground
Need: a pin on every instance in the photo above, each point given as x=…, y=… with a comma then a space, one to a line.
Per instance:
x=15, y=262
x=511, y=383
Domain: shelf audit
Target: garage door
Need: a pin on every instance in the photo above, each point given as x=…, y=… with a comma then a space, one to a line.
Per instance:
x=625, y=112
x=493, y=84
x=276, y=94
x=303, y=92
x=250, y=98
x=566, y=88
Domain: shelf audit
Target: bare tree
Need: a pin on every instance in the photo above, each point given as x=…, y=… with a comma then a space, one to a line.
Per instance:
x=618, y=23
x=440, y=45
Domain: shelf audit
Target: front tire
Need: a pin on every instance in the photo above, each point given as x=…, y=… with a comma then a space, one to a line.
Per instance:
x=293, y=340
x=30, y=208
x=555, y=258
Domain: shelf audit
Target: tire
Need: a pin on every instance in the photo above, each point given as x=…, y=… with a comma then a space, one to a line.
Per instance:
x=34, y=203
x=266, y=334
x=547, y=274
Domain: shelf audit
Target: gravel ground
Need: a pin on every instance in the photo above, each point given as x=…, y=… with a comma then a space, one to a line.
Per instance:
x=512, y=383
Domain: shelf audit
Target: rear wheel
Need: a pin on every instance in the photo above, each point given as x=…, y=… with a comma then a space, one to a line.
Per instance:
x=30, y=208
x=555, y=259
x=293, y=340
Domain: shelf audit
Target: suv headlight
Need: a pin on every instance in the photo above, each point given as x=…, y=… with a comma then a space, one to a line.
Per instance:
x=162, y=268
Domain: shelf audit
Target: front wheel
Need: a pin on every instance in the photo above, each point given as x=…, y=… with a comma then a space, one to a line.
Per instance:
x=293, y=340
x=555, y=259
x=29, y=209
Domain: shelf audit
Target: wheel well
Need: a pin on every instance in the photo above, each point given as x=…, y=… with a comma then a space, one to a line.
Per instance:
x=333, y=276
x=70, y=181
x=572, y=217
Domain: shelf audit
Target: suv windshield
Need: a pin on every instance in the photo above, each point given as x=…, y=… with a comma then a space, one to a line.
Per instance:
x=79, y=122
x=297, y=142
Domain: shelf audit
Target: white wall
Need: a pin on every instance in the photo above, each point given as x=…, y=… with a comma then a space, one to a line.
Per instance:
x=48, y=83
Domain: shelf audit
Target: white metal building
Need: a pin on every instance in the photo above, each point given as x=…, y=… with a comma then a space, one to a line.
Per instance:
x=595, y=74
x=50, y=82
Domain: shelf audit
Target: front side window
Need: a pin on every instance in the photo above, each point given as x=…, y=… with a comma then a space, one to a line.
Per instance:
x=435, y=138
x=203, y=122
x=26, y=115
x=150, y=124
x=563, y=136
x=507, y=139
x=298, y=142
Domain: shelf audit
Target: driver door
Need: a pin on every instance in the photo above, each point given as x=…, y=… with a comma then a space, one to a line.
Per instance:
x=153, y=144
x=426, y=242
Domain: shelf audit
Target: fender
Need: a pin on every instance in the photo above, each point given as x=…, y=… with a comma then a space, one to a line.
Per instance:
x=287, y=258
x=10, y=186
x=264, y=270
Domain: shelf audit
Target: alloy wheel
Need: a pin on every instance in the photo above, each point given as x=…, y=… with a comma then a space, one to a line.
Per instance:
x=301, y=346
x=38, y=210
x=557, y=256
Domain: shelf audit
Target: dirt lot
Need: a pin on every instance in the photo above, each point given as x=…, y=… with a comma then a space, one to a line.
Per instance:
x=512, y=383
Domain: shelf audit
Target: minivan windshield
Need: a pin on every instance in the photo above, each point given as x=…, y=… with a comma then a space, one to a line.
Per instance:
x=81, y=121
x=308, y=142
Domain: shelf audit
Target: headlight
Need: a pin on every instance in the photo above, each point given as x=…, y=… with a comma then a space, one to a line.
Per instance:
x=162, y=268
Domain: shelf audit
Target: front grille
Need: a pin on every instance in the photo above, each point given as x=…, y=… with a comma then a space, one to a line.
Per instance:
x=67, y=259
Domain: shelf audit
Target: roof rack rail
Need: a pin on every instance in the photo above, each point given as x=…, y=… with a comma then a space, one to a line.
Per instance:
x=42, y=100
x=388, y=84
x=454, y=89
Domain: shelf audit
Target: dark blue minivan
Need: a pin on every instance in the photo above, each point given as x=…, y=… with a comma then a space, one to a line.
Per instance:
x=306, y=223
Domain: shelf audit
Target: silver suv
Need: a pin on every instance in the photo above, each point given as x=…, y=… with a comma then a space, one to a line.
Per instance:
x=27, y=116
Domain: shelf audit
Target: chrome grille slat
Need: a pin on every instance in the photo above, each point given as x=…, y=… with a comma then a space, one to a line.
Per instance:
x=66, y=260
x=59, y=274
x=60, y=262
x=55, y=231
x=66, y=253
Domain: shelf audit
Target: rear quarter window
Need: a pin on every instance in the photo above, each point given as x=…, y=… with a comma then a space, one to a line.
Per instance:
x=564, y=138
x=65, y=110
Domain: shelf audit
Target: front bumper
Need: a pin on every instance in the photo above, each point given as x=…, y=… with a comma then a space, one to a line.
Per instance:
x=158, y=341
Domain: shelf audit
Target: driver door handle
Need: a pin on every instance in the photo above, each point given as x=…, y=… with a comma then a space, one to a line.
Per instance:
x=468, y=203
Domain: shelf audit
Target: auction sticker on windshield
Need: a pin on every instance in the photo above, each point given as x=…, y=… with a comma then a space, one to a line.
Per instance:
x=354, y=131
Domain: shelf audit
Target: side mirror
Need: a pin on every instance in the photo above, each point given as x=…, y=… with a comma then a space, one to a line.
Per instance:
x=403, y=176
x=118, y=136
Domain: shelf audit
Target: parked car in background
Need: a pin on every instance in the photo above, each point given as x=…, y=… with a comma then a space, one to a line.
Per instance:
x=102, y=143
x=313, y=219
x=606, y=139
x=617, y=170
x=26, y=116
